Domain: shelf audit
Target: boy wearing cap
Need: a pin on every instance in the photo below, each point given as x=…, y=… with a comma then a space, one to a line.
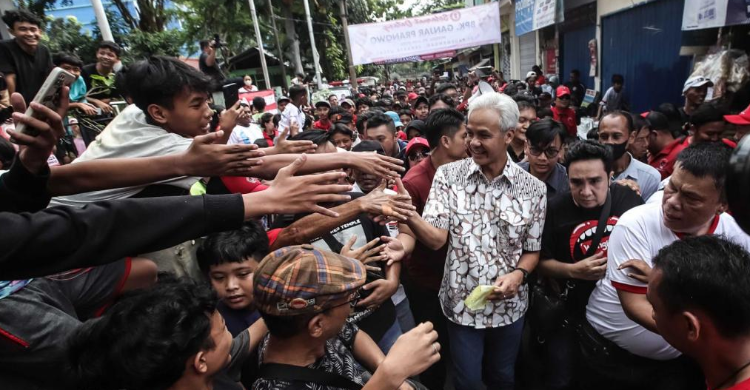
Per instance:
x=695, y=91
x=562, y=112
x=417, y=150
x=415, y=128
x=321, y=110
x=741, y=122
x=305, y=296
x=421, y=108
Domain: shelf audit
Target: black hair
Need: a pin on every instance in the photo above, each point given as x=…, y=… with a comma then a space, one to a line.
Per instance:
x=444, y=87
x=318, y=137
x=66, y=58
x=145, y=340
x=545, y=112
x=340, y=128
x=442, y=98
x=624, y=114
x=368, y=146
x=109, y=45
x=296, y=91
x=234, y=246
x=285, y=327
x=618, y=78
x=639, y=123
x=363, y=102
x=385, y=103
x=259, y=103
x=444, y=121
x=204, y=44
x=276, y=119
x=674, y=118
x=576, y=72
x=379, y=119
x=589, y=150
x=362, y=120
x=543, y=132
x=706, y=113
x=20, y=15
x=158, y=79
x=708, y=273
x=405, y=112
x=261, y=142
x=265, y=118
x=707, y=159
x=346, y=117
x=658, y=122
x=524, y=104
x=7, y=153
x=593, y=134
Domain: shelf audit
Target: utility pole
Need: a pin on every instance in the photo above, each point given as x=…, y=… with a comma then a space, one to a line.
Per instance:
x=278, y=45
x=345, y=24
x=101, y=20
x=316, y=60
x=259, y=38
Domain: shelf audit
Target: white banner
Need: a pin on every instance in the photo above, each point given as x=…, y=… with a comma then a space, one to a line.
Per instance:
x=699, y=14
x=429, y=34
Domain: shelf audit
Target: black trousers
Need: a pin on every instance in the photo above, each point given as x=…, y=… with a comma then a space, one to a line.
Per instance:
x=604, y=365
x=425, y=306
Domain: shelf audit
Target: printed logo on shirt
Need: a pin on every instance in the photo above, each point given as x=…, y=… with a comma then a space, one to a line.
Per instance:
x=583, y=234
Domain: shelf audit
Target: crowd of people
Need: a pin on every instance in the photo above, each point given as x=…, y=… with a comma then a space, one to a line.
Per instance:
x=337, y=241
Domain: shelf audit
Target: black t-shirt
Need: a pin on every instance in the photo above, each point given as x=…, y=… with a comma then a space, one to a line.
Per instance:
x=212, y=71
x=30, y=70
x=377, y=322
x=569, y=229
x=100, y=88
x=577, y=91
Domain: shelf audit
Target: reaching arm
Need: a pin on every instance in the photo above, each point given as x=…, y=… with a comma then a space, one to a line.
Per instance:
x=638, y=309
x=10, y=80
x=257, y=331
x=211, y=56
x=204, y=158
x=367, y=352
x=432, y=237
x=371, y=163
x=590, y=268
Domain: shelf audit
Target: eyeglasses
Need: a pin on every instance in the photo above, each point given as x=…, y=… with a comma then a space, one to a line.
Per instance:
x=418, y=155
x=353, y=301
x=549, y=152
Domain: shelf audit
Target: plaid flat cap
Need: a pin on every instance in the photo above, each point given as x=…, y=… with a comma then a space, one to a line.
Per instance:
x=302, y=279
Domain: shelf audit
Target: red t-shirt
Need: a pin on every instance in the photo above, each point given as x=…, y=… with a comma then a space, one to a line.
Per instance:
x=322, y=126
x=567, y=116
x=665, y=159
x=425, y=266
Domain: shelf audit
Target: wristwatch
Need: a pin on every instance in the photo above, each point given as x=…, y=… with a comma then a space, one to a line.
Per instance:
x=524, y=272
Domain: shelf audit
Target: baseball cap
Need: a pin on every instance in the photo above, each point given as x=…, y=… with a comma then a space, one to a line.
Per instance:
x=302, y=279
x=695, y=82
x=281, y=99
x=415, y=124
x=349, y=102
x=323, y=103
x=742, y=119
x=562, y=91
x=72, y=121
x=395, y=117
x=412, y=96
x=531, y=73
x=420, y=100
x=345, y=117
x=415, y=142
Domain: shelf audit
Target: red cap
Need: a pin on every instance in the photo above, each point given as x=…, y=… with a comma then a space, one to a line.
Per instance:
x=742, y=119
x=644, y=114
x=412, y=96
x=562, y=91
x=416, y=141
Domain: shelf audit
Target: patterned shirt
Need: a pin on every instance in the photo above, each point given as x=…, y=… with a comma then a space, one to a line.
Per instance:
x=490, y=224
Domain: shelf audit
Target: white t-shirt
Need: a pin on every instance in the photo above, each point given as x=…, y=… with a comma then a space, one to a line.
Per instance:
x=640, y=234
x=291, y=112
x=129, y=135
x=245, y=135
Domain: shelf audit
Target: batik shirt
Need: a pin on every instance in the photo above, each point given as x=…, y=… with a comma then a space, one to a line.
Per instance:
x=490, y=224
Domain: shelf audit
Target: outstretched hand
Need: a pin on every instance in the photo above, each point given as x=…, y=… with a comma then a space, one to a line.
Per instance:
x=285, y=146
x=377, y=164
x=205, y=158
x=299, y=194
x=35, y=150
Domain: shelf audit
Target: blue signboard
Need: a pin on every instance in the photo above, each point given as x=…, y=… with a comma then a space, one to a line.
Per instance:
x=524, y=16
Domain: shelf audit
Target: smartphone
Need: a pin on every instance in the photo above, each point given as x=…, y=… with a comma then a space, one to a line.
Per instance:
x=231, y=94
x=49, y=96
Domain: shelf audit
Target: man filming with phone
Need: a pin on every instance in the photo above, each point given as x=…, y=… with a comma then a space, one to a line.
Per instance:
x=207, y=61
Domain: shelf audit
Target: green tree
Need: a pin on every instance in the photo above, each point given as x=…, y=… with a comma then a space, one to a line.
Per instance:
x=151, y=15
x=64, y=35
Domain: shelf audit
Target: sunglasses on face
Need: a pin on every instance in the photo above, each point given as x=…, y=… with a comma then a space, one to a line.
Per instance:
x=418, y=155
x=564, y=97
x=549, y=152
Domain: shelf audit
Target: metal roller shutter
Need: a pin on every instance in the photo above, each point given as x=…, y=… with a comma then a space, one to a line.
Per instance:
x=527, y=52
x=575, y=54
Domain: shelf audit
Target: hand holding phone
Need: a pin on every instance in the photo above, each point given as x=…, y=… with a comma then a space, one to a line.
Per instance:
x=49, y=95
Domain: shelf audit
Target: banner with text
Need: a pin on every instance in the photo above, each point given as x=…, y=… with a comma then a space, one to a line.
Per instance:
x=532, y=15
x=267, y=95
x=700, y=14
x=425, y=35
